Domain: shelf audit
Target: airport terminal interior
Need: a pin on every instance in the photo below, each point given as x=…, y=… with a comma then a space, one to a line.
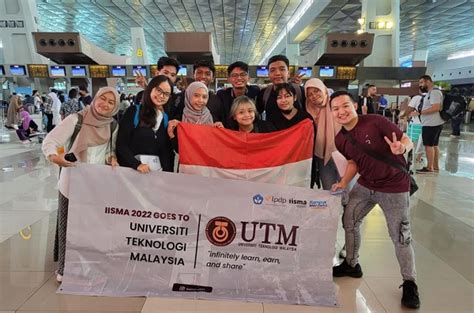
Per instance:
x=352, y=45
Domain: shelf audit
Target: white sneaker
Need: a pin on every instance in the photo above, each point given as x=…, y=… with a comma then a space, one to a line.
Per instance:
x=59, y=278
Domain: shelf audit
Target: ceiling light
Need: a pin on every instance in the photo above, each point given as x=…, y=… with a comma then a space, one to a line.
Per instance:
x=460, y=55
x=389, y=25
x=381, y=25
x=360, y=31
x=361, y=21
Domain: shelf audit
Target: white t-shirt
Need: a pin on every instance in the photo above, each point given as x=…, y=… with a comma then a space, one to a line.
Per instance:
x=433, y=119
x=414, y=102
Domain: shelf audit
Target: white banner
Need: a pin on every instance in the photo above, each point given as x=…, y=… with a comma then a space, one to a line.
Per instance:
x=176, y=235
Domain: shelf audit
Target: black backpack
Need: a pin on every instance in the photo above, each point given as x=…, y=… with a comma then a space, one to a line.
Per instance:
x=453, y=105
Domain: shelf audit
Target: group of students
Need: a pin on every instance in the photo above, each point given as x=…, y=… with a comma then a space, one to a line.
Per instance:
x=146, y=139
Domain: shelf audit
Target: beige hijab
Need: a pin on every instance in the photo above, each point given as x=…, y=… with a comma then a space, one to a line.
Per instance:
x=327, y=130
x=95, y=130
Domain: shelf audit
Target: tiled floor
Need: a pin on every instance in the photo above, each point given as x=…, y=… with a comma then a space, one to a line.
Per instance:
x=442, y=219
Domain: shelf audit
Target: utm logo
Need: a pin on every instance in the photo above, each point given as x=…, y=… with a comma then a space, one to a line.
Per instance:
x=220, y=231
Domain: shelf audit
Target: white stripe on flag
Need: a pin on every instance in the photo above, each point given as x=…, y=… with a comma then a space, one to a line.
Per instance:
x=292, y=174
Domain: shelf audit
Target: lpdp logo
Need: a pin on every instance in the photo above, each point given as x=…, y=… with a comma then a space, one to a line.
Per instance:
x=258, y=199
x=220, y=231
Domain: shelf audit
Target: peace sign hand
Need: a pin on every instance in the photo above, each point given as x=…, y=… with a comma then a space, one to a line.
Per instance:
x=140, y=80
x=396, y=146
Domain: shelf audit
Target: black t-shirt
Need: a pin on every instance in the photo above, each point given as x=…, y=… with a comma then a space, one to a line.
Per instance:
x=370, y=105
x=281, y=122
x=87, y=100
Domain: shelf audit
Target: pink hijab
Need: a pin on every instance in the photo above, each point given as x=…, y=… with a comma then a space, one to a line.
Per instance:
x=26, y=118
x=327, y=130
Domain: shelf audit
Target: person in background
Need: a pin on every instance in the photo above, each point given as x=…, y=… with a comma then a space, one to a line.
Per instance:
x=12, y=113
x=123, y=106
x=143, y=143
x=324, y=171
x=85, y=98
x=367, y=103
x=93, y=144
x=55, y=108
x=27, y=127
x=37, y=101
x=244, y=117
x=72, y=105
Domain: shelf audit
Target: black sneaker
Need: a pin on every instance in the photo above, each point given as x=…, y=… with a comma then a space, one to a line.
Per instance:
x=344, y=269
x=410, y=297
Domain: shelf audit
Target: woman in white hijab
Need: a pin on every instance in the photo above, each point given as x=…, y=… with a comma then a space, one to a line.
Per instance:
x=317, y=104
x=94, y=143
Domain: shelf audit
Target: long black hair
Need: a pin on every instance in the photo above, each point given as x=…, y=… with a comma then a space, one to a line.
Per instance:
x=148, y=112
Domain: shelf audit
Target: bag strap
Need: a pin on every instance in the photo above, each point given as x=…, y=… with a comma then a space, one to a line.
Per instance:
x=136, y=117
x=372, y=153
x=77, y=129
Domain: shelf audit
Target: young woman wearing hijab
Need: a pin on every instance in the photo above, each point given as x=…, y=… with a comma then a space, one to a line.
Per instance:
x=94, y=144
x=143, y=143
x=245, y=119
x=27, y=127
x=289, y=114
x=324, y=170
x=195, y=109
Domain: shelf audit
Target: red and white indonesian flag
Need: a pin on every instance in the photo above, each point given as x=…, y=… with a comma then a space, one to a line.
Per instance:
x=282, y=157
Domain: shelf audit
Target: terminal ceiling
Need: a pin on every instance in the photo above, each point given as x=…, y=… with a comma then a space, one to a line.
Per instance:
x=245, y=29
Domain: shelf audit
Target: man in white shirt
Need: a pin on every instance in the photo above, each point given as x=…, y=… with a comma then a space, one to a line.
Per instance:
x=428, y=114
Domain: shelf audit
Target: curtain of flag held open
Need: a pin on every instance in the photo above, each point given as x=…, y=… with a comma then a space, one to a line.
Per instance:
x=282, y=157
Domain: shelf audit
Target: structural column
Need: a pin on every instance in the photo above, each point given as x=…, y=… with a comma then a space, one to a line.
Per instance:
x=382, y=18
x=139, y=54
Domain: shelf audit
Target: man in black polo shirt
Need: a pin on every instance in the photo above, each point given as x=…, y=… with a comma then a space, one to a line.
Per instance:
x=238, y=76
x=278, y=72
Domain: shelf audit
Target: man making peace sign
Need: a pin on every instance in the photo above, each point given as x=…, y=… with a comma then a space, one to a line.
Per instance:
x=379, y=183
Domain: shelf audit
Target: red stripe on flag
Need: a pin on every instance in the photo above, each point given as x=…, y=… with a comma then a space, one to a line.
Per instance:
x=222, y=148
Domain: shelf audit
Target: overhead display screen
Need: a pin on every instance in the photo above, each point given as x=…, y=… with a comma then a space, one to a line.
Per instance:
x=262, y=71
x=119, y=71
x=326, y=71
x=58, y=71
x=139, y=69
x=99, y=71
x=18, y=70
x=78, y=71
x=307, y=71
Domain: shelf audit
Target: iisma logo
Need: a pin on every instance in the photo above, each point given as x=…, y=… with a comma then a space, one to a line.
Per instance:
x=220, y=231
x=258, y=199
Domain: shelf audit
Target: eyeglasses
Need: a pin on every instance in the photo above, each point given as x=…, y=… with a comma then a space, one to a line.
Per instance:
x=237, y=75
x=162, y=92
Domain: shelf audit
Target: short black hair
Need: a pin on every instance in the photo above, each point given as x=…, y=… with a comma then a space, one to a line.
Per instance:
x=54, y=90
x=72, y=93
x=83, y=88
x=279, y=57
x=239, y=64
x=340, y=93
x=426, y=77
x=164, y=61
x=370, y=86
x=205, y=63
